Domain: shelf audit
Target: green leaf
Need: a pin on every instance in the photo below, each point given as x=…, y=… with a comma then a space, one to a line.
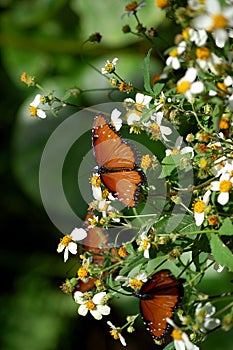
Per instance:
x=157, y=88
x=227, y=228
x=146, y=70
x=221, y=252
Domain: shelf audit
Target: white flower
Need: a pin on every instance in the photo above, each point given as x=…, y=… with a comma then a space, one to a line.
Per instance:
x=144, y=244
x=116, y=333
x=68, y=244
x=33, y=107
x=224, y=186
x=181, y=339
x=199, y=37
x=196, y=4
x=115, y=119
x=97, y=305
x=163, y=130
x=141, y=102
x=134, y=282
x=216, y=20
x=199, y=208
x=177, y=148
x=174, y=54
x=203, y=315
x=109, y=66
x=132, y=8
x=187, y=84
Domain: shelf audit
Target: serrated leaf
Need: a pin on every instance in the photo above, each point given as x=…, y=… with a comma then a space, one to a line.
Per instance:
x=227, y=228
x=221, y=252
x=146, y=69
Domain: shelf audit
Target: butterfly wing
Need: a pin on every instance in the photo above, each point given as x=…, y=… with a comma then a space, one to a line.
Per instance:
x=159, y=297
x=124, y=185
x=110, y=150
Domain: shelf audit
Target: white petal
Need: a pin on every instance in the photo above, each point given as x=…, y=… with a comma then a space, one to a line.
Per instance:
x=122, y=339
x=206, y=197
x=98, y=298
x=220, y=37
x=60, y=248
x=211, y=323
x=41, y=114
x=213, y=7
x=104, y=309
x=78, y=234
x=203, y=22
x=197, y=87
x=96, y=314
x=179, y=344
x=209, y=309
x=190, y=74
x=82, y=310
x=36, y=101
x=78, y=297
x=72, y=247
x=146, y=254
x=97, y=192
x=223, y=198
x=199, y=218
x=214, y=186
x=133, y=117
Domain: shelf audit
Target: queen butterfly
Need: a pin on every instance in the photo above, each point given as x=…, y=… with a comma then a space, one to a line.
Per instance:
x=159, y=297
x=116, y=163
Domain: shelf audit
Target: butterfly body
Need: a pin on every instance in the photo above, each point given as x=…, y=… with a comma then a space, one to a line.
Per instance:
x=159, y=297
x=116, y=160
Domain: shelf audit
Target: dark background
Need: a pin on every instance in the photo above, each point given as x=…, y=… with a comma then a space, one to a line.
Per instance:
x=44, y=38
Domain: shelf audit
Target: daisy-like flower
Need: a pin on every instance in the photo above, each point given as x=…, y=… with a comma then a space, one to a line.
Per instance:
x=178, y=150
x=224, y=186
x=196, y=4
x=135, y=282
x=188, y=86
x=68, y=242
x=203, y=316
x=181, y=339
x=173, y=59
x=96, y=305
x=109, y=66
x=199, y=37
x=116, y=333
x=156, y=128
x=116, y=121
x=216, y=19
x=33, y=107
x=208, y=60
x=199, y=207
x=144, y=244
x=141, y=102
x=132, y=8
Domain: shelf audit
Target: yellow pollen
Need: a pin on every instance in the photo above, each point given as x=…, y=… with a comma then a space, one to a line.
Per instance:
x=131, y=7
x=161, y=3
x=199, y=206
x=219, y=21
x=173, y=52
x=202, y=53
x=82, y=272
x=122, y=252
x=109, y=67
x=33, y=111
x=224, y=124
x=155, y=129
x=185, y=33
x=115, y=334
x=146, y=161
x=95, y=181
x=145, y=243
x=203, y=163
x=66, y=240
x=175, y=151
x=136, y=284
x=176, y=335
x=183, y=86
x=222, y=86
x=105, y=193
x=90, y=305
x=225, y=186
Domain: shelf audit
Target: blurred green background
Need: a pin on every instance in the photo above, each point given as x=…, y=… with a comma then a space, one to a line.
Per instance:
x=45, y=38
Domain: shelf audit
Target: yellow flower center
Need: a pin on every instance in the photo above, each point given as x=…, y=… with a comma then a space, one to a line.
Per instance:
x=122, y=252
x=225, y=186
x=183, y=86
x=222, y=86
x=115, y=334
x=95, y=181
x=224, y=124
x=105, y=193
x=136, y=284
x=109, y=67
x=66, y=240
x=131, y=7
x=219, y=21
x=213, y=220
x=145, y=243
x=161, y=3
x=33, y=111
x=155, y=129
x=203, y=163
x=185, y=33
x=146, y=161
x=176, y=334
x=175, y=151
x=90, y=305
x=199, y=206
x=173, y=52
x=82, y=272
x=202, y=53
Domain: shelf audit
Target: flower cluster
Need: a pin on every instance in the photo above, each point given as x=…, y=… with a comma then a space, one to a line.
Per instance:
x=184, y=114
